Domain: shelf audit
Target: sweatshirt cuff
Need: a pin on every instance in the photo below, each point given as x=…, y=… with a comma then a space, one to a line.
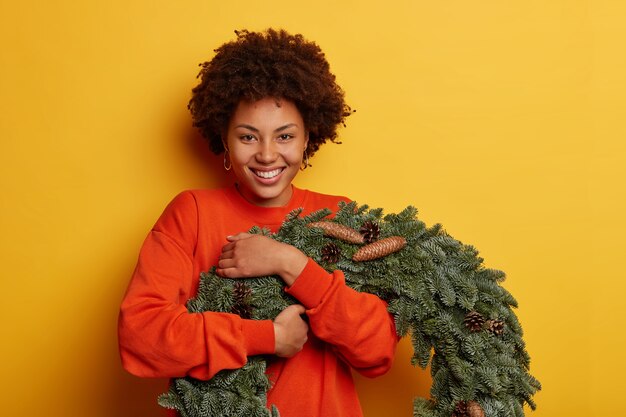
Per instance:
x=311, y=285
x=258, y=336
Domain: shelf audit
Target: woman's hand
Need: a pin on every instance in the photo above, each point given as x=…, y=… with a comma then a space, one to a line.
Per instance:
x=249, y=255
x=290, y=331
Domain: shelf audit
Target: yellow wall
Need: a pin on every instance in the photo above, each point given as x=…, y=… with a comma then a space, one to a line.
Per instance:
x=503, y=120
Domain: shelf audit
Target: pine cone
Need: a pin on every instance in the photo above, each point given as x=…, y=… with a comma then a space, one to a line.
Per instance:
x=370, y=231
x=241, y=291
x=330, y=253
x=379, y=249
x=339, y=231
x=474, y=321
x=474, y=409
x=241, y=296
x=242, y=310
x=495, y=326
x=460, y=410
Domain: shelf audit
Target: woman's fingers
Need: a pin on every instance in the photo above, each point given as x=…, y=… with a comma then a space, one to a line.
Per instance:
x=227, y=254
x=290, y=331
x=226, y=263
x=297, y=309
x=238, y=236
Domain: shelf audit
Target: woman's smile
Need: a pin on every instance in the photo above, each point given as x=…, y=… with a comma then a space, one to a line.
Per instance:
x=268, y=175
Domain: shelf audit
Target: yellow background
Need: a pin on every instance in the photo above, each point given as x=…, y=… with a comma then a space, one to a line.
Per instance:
x=503, y=120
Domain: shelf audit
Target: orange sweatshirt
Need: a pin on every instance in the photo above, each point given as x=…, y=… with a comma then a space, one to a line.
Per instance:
x=158, y=337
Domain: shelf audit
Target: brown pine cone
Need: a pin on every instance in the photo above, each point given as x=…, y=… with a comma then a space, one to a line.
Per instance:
x=242, y=310
x=474, y=321
x=379, y=249
x=241, y=291
x=460, y=410
x=330, y=253
x=495, y=326
x=339, y=231
x=370, y=231
x=241, y=296
x=474, y=409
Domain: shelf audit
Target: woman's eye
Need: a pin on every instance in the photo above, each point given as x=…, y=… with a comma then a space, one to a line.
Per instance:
x=285, y=136
x=247, y=138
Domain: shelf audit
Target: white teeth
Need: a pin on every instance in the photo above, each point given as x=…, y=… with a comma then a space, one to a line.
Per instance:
x=268, y=174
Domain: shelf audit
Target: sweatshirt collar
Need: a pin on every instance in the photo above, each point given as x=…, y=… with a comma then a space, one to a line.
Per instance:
x=265, y=216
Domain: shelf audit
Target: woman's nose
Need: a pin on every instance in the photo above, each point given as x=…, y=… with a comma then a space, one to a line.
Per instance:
x=267, y=152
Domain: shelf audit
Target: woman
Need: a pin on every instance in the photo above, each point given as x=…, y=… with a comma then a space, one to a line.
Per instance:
x=267, y=101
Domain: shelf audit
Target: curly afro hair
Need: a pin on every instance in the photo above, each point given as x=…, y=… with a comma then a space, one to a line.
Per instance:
x=268, y=64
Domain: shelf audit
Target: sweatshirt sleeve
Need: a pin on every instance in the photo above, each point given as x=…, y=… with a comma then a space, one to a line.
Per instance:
x=357, y=324
x=158, y=336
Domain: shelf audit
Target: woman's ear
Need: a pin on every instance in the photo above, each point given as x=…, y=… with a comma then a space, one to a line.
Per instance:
x=224, y=138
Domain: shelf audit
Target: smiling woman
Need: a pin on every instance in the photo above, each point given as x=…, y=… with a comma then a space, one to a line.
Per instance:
x=266, y=141
x=268, y=101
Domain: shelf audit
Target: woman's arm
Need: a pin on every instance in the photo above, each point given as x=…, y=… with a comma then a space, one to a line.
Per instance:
x=158, y=337
x=356, y=324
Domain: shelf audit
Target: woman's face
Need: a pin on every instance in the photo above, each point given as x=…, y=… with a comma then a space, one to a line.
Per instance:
x=266, y=140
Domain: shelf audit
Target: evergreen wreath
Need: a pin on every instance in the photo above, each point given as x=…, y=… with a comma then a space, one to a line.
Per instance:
x=459, y=318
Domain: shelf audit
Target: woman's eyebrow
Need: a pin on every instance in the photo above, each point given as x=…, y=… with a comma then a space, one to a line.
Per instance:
x=287, y=126
x=279, y=129
x=249, y=127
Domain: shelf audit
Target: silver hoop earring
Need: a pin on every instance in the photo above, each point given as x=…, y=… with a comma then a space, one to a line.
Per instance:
x=305, y=162
x=230, y=164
